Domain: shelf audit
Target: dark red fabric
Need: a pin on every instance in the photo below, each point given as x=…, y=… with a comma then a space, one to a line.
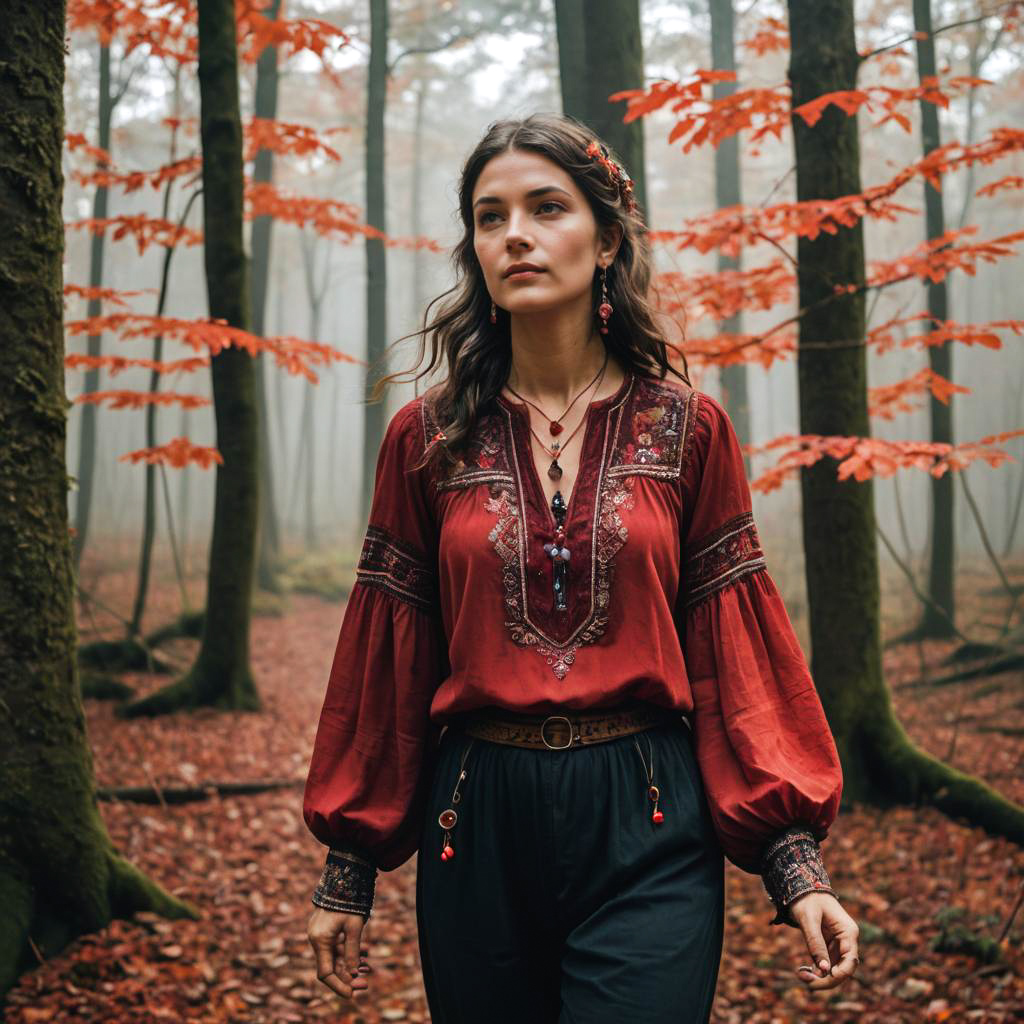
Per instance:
x=669, y=601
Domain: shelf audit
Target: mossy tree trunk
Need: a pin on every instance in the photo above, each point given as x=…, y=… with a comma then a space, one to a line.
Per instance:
x=60, y=875
x=880, y=764
x=221, y=675
x=940, y=361
x=729, y=193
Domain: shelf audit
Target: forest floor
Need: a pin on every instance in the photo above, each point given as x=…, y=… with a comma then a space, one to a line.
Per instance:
x=907, y=875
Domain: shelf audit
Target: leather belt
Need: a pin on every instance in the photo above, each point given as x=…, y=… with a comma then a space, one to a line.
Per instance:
x=565, y=731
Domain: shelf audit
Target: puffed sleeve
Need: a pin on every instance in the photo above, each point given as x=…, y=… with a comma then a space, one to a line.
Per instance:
x=365, y=791
x=767, y=755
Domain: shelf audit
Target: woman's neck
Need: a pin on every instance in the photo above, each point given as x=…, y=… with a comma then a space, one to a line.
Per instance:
x=553, y=361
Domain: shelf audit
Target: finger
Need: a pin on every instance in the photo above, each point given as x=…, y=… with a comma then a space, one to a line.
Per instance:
x=352, y=943
x=811, y=927
x=848, y=955
x=323, y=947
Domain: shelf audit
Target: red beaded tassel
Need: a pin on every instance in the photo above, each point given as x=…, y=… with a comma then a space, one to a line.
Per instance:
x=448, y=818
x=604, y=310
x=653, y=793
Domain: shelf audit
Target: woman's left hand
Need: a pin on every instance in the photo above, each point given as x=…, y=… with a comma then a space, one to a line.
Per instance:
x=831, y=937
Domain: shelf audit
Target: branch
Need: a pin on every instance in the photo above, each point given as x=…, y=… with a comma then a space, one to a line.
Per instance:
x=459, y=35
x=938, y=31
x=918, y=593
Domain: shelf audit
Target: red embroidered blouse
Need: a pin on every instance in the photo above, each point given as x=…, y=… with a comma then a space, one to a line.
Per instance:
x=669, y=601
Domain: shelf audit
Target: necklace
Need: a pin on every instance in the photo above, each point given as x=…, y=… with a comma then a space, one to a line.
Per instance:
x=556, y=546
x=553, y=450
x=555, y=426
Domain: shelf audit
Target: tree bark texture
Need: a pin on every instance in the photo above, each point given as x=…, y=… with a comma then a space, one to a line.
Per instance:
x=60, y=876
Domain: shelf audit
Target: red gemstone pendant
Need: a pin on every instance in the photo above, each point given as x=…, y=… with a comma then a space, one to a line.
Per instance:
x=556, y=428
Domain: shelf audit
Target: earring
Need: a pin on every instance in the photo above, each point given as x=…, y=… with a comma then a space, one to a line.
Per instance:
x=604, y=310
x=494, y=312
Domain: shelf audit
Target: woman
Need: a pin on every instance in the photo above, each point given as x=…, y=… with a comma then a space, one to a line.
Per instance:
x=564, y=675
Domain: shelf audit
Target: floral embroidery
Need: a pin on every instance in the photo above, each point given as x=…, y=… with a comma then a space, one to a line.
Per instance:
x=486, y=458
x=722, y=557
x=660, y=421
x=790, y=867
x=346, y=884
x=397, y=568
x=609, y=497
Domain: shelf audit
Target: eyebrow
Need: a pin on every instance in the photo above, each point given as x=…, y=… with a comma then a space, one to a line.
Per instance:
x=543, y=190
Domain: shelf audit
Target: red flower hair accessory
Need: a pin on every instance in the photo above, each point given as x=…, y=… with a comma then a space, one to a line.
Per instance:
x=616, y=172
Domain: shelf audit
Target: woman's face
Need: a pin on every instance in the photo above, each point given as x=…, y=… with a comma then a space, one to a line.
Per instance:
x=526, y=209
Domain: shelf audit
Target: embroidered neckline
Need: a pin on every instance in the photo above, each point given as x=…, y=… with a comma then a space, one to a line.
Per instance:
x=647, y=432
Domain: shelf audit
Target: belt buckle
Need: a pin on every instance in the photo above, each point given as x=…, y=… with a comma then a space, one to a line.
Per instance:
x=545, y=739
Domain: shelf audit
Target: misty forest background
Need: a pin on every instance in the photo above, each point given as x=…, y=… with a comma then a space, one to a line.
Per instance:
x=291, y=169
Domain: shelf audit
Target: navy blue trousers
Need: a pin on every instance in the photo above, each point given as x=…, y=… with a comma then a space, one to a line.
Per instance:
x=565, y=903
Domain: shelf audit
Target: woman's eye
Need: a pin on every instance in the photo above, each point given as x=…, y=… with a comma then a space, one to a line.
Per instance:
x=549, y=202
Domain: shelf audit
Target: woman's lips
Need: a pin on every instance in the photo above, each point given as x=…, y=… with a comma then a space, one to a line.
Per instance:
x=523, y=275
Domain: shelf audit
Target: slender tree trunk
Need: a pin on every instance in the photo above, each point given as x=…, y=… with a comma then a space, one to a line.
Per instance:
x=728, y=193
x=572, y=58
x=316, y=292
x=149, y=503
x=263, y=171
x=221, y=675
x=940, y=359
x=376, y=258
x=94, y=347
x=60, y=875
x=879, y=762
x=416, y=200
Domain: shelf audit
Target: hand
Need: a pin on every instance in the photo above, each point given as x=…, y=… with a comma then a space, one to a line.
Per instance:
x=831, y=937
x=332, y=933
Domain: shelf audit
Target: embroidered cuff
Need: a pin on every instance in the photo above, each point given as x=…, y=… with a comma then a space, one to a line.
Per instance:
x=347, y=883
x=791, y=866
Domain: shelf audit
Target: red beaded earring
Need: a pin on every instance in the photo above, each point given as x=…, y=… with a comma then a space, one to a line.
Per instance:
x=494, y=313
x=604, y=310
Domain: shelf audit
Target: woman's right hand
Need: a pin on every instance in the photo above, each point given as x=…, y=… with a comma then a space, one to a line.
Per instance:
x=339, y=943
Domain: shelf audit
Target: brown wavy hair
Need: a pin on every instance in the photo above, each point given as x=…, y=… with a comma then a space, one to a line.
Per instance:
x=478, y=353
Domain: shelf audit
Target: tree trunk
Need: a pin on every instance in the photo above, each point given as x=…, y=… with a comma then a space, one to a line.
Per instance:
x=149, y=502
x=880, y=764
x=572, y=58
x=60, y=876
x=728, y=193
x=615, y=60
x=940, y=359
x=221, y=675
x=376, y=259
x=94, y=347
x=263, y=171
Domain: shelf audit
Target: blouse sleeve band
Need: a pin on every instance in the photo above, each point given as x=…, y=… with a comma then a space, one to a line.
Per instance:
x=346, y=884
x=791, y=867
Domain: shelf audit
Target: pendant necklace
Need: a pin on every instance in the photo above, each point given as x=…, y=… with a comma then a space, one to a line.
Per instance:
x=555, y=426
x=556, y=546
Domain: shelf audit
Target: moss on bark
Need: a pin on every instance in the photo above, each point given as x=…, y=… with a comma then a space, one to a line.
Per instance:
x=59, y=873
